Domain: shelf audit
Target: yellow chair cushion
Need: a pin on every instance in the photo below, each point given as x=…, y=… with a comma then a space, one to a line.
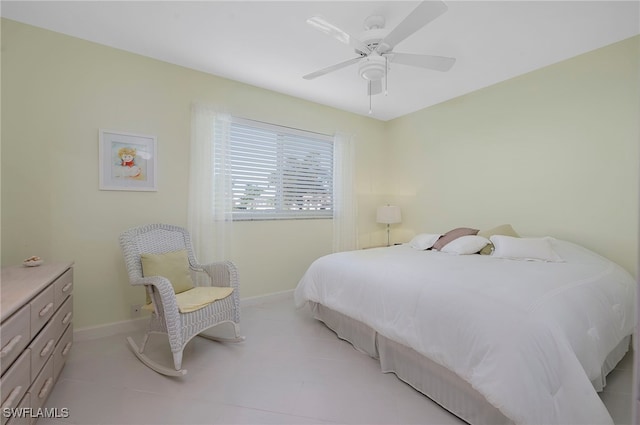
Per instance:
x=172, y=265
x=201, y=296
x=198, y=297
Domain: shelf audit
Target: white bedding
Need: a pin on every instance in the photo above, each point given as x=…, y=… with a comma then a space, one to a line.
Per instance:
x=529, y=336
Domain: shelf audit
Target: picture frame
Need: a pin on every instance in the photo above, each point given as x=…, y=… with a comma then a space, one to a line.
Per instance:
x=127, y=161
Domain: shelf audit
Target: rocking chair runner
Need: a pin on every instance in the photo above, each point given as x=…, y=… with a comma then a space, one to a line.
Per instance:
x=166, y=317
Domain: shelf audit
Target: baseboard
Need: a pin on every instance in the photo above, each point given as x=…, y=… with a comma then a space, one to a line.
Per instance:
x=139, y=324
x=102, y=331
x=276, y=296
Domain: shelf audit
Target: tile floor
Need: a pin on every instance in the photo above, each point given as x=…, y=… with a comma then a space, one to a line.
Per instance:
x=290, y=370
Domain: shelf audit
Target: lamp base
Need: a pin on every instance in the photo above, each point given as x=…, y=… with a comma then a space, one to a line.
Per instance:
x=388, y=234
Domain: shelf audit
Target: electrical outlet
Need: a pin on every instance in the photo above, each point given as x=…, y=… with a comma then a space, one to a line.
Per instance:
x=136, y=310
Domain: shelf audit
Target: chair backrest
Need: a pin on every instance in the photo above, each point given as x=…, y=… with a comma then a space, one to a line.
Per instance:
x=153, y=239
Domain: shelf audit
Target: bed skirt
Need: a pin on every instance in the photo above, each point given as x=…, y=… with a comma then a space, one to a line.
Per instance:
x=435, y=381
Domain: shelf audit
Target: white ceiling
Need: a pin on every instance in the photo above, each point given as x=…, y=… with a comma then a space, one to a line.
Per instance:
x=268, y=44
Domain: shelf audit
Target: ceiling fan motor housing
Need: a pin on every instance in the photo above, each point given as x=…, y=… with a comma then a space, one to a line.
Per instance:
x=372, y=39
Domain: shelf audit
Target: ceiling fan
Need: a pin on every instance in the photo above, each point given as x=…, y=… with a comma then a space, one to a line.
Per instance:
x=375, y=45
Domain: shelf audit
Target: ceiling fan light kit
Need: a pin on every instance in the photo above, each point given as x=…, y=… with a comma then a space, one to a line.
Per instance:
x=375, y=46
x=373, y=67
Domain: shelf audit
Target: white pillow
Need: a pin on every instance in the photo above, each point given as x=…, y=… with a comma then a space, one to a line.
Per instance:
x=423, y=241
x=532, y=249
x=464, y=245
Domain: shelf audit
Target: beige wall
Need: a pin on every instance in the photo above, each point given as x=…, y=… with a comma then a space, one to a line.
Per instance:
x=553, y=152
x=57, y=91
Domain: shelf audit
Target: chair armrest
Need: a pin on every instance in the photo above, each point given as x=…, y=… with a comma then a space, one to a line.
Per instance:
x=167, y=296
x=222, y=273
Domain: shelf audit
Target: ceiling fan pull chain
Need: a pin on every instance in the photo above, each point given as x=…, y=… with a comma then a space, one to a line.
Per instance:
x=386, y=73
x=370, y=110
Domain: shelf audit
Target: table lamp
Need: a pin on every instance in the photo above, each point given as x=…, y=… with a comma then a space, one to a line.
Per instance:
x=388, y=214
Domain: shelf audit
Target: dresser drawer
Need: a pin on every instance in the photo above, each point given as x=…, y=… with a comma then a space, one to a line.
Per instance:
x=15, y=383
x=15, y=334
x=61, y=353
x=24, y=417
x=63, y=317
x=42, y=308
x=42, y=347
x=45, y=343
x=62, y=288
x=42, y=386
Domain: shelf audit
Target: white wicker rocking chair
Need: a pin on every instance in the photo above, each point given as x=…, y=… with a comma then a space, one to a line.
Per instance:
x=166, y=317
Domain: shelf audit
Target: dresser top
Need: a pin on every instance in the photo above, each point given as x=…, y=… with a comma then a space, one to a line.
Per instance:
x=19, y=284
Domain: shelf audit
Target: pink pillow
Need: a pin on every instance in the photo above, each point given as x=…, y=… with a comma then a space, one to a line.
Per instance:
x=453, y=235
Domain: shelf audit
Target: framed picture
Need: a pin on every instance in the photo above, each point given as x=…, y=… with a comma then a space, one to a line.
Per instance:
x=128, y=161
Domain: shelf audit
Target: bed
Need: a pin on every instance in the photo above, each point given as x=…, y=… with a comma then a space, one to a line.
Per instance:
x=493, y=340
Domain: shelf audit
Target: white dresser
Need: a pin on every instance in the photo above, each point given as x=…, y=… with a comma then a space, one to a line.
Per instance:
x=36, y=334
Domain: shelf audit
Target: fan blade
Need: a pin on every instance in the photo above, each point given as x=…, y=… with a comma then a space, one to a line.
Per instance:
x=331, y=68
x=340, y=35
x=426, y=12
x=374, y=87
x=438, y=63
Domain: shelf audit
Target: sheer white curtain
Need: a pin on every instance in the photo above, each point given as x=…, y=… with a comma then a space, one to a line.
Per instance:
x=345, y=232
x=209, y=204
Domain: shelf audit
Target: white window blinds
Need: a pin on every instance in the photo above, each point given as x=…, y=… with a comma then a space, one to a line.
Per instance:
x=279, y=172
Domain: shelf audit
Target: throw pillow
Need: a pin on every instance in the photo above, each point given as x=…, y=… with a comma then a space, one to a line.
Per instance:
x=464, y=245
x=172, y=265
x=452, y=235
x=504, y=230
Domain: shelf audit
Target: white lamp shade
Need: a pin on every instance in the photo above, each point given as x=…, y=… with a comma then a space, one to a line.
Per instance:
x=389, y=214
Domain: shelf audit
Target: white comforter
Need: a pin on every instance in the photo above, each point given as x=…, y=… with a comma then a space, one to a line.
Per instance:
x=529, y=336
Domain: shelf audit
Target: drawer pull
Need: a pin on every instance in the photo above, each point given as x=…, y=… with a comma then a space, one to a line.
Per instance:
x=46, y=310
x=66, y=287
x=45, y=388
x=47, y=348
x=10, y=346
x=66, y=349
x=12, y=397
x=67, y=318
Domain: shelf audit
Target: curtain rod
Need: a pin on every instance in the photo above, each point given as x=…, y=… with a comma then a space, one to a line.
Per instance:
x=284, y=126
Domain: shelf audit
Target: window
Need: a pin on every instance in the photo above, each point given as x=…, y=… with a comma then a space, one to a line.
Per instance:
x=278, y=172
